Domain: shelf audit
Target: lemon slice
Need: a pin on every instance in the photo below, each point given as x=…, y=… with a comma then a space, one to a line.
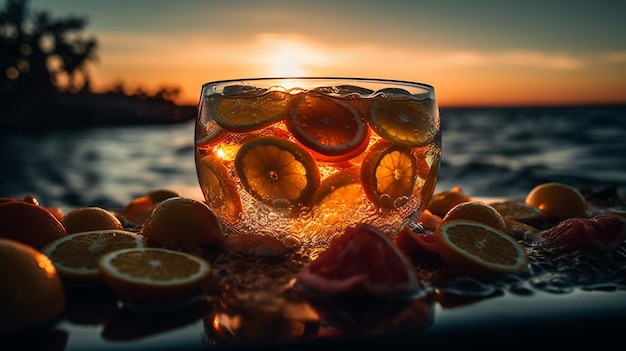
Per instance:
x=276, y=171
x=404, y=121
x=249, y=113
x=333, y=129
x=153, y=274
x=76, y=256
x=388, y=174
x=474, y=247
x=219, y=190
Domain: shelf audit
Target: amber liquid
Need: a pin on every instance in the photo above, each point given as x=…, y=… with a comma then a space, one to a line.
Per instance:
x=340, y=205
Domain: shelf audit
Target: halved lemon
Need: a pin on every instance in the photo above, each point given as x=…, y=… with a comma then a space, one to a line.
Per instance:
x=276, y=171
x=220, y=191
x=474, y=247
x=404, y=121
x=76, y=256
x=333, y=129
x=249, y=113
x=154, y=274
x=388, y=174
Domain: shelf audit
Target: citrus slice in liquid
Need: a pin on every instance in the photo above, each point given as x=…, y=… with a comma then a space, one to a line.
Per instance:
x=276, y=171
x=333, y=129
x=219, y=190
x=153, y=274
x=406, y=121
x=388, y=174
x=249, y=113
x=76, y=256
x=474, y=247
x=340, y=191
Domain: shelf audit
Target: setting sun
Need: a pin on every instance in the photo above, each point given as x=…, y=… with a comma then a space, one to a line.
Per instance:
x=288, y=55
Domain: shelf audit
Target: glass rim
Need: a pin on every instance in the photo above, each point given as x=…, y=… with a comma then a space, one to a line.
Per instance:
x=267, y=81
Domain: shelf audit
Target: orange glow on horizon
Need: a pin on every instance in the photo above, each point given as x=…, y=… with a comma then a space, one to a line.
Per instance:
x=460, y=78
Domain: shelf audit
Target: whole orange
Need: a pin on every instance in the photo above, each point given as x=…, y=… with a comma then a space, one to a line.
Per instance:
x=85, y=219
x=29, y=224
x=181, y=222
x=557, y=201
x=32, y=292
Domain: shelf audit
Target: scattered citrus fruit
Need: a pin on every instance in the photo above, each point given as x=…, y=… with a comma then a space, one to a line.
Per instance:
x=32, y=292
x=476, y=211
x=416, y=242
x=518, y=211
x=600, y=232
x=408, y=123
x=246, y=114
x=153, y=274
x=276, y=171
x=29, y=223
x=137, y=210
x=181, y=222
x=220, y=191
x=474, y=247
x=557, y=201
x=334, y=130
x=388, y=174
x=85, y=219
x=519, y=230
x=56, y=212
x=442, y=201
x=76, y=256
x=347, y=266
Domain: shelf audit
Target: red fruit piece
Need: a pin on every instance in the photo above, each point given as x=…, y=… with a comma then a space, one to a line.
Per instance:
x=362, y=261
x=601, y=232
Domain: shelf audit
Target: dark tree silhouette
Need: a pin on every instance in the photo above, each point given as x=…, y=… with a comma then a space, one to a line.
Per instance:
x=39, y=52
x=45, y=81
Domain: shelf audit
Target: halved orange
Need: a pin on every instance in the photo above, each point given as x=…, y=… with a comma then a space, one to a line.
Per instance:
x=474, y=247
x=388, y=174
x=153, y=274
x=76, y=256
x=220, y=191
x=518, y=211
x=442, y=201
x=248, y=113
x=331, y=128
x=476, y=211
x=403, y=121
x=276, y=171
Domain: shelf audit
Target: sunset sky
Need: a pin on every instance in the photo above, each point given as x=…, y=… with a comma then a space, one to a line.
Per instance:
x=483, y=52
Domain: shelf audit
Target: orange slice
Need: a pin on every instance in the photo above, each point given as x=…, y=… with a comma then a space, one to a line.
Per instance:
x=76, y=256
x=474, y=247
x=153, y=274
x=276, y=171
x=518, y=211
x=403, y=121
x=333, y=129
x=388, y=174
x=220, y=191
x=476, y=211
x=249, y=113
x=340, y=190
